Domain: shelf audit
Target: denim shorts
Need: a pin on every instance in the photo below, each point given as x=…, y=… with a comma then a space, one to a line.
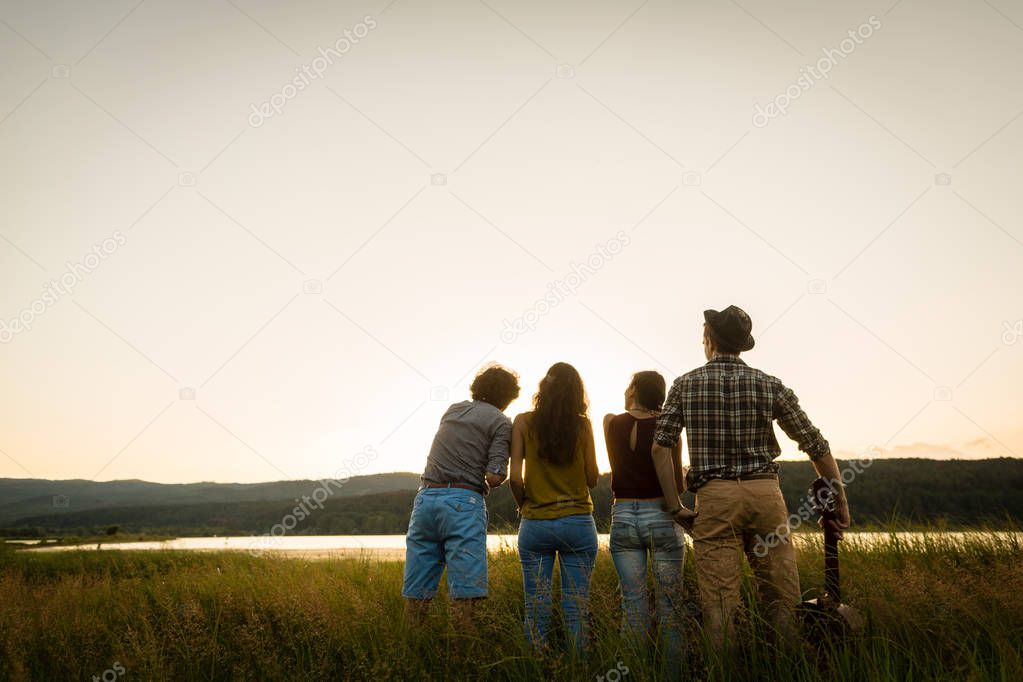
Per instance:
x=448, y=527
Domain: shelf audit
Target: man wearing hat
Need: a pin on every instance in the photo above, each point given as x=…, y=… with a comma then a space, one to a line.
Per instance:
x=727, y=409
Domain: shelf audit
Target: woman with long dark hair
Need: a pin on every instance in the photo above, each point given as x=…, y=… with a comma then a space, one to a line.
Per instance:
x=555, y=442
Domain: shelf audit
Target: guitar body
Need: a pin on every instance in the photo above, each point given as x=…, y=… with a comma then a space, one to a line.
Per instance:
x=823, y=619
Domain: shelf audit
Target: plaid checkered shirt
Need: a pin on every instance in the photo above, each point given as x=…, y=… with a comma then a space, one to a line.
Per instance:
x=727, y=409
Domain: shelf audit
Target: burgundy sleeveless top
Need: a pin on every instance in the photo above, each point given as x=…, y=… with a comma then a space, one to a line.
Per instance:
x=632, y=471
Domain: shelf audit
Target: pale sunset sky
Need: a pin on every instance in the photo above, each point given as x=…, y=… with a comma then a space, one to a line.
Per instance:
x=281, y=233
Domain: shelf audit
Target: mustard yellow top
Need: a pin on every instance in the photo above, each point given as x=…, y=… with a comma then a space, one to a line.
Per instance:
x=554, y=491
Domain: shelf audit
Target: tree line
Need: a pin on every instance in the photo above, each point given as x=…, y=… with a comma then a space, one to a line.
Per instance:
x=907, y=491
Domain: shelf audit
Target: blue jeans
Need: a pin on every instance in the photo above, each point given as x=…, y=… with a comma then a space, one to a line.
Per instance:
x=448, y=527
x=573, y=540
x=641, y=530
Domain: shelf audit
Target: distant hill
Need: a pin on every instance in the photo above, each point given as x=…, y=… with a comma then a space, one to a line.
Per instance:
x=911, y=490
x=26, y=498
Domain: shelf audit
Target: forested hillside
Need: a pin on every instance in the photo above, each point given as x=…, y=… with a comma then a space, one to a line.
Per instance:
x=909, y=490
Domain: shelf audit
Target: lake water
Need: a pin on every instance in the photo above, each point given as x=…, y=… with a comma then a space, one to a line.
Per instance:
x=393, y=546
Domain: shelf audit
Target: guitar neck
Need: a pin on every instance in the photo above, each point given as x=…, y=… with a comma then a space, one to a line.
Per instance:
x=832, y=582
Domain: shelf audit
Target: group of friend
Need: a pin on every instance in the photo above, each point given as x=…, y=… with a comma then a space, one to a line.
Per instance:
x=727, y=410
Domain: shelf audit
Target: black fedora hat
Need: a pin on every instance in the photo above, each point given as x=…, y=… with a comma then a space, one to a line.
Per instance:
x=731, y=327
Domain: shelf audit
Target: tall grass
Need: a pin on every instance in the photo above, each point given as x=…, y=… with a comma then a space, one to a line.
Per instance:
x=936, y=609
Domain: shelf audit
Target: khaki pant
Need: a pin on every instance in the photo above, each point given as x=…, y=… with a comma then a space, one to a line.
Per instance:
x=737, y=517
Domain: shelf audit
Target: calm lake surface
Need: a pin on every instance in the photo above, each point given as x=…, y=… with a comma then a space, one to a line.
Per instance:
x=393, y=546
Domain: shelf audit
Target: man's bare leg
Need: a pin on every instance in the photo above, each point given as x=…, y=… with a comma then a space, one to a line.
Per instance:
x=416, y=611
x=463, y=614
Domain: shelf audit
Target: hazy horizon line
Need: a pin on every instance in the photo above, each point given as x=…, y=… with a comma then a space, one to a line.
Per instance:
x=413, y=473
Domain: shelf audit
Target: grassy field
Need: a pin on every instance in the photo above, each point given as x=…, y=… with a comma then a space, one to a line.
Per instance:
x=936, y=610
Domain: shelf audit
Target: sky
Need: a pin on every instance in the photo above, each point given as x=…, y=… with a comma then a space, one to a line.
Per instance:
x=248, y=241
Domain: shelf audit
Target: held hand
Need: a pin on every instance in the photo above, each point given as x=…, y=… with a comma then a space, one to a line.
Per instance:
x=841, y=520
x=685, y=517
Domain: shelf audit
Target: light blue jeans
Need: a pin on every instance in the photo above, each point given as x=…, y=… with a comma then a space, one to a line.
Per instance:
x=573, y=540
x=640, y=530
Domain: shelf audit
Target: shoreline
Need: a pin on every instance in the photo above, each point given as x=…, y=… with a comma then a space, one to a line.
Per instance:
x=392, y=547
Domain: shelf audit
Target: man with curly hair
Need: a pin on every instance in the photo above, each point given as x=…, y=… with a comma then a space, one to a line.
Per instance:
x=448, y=526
